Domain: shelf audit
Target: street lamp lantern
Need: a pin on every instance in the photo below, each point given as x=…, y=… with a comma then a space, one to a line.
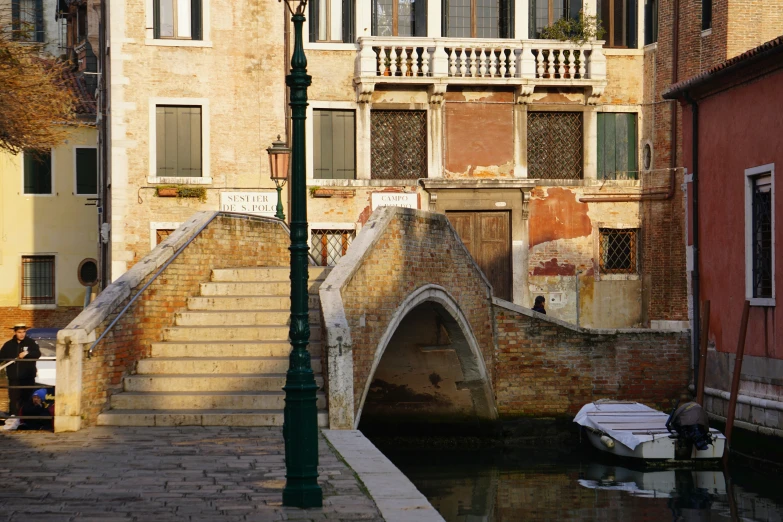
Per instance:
x=279, y=158
x=300, y=416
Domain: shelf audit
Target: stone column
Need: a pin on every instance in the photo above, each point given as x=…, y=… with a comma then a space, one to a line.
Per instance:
x=71, y=347
x=434, y=17
x=437, y=94
x=521, y=98
x=520, y=256
x=590, y=145
x=363, y=123
x=363, y=19
x=521, y=19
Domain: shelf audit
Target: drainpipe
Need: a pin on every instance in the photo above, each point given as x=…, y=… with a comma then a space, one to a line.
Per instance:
x=578, y=307
x=696, y=334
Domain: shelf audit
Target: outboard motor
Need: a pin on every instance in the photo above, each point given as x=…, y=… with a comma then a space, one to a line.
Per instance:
x=691, y=424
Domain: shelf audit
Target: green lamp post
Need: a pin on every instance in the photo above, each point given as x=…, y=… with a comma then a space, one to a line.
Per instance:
x=279, y=157
x=300, y=424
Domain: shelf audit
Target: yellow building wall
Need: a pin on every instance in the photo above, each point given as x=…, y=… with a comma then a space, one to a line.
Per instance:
x=59, y=224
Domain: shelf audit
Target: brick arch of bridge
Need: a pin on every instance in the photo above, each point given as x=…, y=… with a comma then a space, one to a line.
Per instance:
x=401, y=259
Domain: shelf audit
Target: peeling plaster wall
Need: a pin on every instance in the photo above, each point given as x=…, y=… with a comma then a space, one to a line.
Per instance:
x=564, y=240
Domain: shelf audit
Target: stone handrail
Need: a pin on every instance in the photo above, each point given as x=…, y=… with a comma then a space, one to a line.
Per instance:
x=540, y=61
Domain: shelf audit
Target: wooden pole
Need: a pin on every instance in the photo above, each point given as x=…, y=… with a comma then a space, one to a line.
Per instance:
x=705, y=330
x=737, y=370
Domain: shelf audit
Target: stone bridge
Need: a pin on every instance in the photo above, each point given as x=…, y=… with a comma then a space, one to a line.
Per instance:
x=404, y=328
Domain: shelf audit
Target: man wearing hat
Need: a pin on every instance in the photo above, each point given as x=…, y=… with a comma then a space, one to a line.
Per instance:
x=23, y=352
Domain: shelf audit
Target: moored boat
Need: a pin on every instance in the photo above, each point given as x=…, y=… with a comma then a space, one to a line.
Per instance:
x=631, y=429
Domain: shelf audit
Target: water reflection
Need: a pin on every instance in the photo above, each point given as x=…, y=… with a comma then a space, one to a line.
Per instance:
x=544, y=484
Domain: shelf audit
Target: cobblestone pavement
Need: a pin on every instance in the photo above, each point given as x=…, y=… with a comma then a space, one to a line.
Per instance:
x=164, y=474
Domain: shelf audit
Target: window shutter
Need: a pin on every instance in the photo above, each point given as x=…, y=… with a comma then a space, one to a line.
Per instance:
x=420, y=18
x=444, y=23
x=15, y=12
x=195, y=20
x=511, y=31
x=39, y=24
x=314, y=20
x=156, y=19
x=632, y=25
x=348, y=21
x=532, y=29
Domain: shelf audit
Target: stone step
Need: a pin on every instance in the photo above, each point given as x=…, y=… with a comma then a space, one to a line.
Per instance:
x=227, y=349
x=218, y=366
x=239, y=318
x=198, y=418
x=265, y=273
x=208, y=382
x=258, y=400
x=279, y=288
x=260, y=302
x=234, y=333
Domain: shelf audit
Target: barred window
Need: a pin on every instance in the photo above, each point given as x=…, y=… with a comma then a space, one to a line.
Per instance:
x=761, y=236
x=38, y=280
x=618, y=251
x=328, y=246
x=554, y=145
x=398, y=142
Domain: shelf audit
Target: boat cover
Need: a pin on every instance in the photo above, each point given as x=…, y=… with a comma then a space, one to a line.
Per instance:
x=628, y=422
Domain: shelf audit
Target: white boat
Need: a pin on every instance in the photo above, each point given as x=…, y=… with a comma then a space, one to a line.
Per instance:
x=631, y=429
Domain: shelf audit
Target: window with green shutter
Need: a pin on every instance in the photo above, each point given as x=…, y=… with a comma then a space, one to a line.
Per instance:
x=617, y=145
x=334, y=144
x=86, y=171
x=37, y=172
x=178, y=141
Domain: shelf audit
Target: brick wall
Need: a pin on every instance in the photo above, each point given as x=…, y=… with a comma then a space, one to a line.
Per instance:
x=227, y=242
x=545, y=367
x=416, y=248
x=57, y=318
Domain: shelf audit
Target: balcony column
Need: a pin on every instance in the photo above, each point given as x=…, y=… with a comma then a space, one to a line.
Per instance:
x=434, y=16
x=522, y=19
x=590, y=7
x=363, y=15
x=590, y=146
x=437, y=95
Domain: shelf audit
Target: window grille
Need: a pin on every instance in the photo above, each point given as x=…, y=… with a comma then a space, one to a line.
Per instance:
x=762, y=237
x=328, y=246
x=398, y=144
x=38, y=280
x=554, y=145
x=618, y=251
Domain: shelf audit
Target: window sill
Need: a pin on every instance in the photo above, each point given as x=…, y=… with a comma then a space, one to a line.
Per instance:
x=50, y=195
x=86, y=195
x=651, y=47
x=38, y=307
x=707, y=32
x=152, y=180
x=177, y=43
x=759, y=301
x=610, y=51
x=619, y=277
x=331, y=46
x=312, y=182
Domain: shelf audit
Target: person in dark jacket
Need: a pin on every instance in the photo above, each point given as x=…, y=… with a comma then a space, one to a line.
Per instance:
x=539, y=305
x=23, y=351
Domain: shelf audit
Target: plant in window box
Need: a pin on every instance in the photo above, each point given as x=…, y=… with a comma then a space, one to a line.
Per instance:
x=187, y=191
x=575, y=30
x=166, y=191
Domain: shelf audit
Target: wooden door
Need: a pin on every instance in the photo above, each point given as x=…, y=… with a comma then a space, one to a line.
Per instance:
x=487, y=236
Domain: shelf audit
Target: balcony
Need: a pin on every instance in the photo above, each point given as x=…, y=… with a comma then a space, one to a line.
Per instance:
x=526, y=64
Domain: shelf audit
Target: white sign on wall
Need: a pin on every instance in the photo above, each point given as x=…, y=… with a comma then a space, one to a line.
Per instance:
x=395, y=199
x=258, y=203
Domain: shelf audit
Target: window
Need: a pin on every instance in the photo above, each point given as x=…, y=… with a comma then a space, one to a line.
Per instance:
x=618, y=18
x=331, y=21
x=37, y=172
x=618, y=250
x=334, y=144
x=478, y=18
x=81, y=25
x=178, y=141
x=161, y=234
x=86, y=171
x=617, y=145
x=650, y=22
x=38, y=280
x=554, y=145
x=399, y=18
x=759, y=236
x=544, y=13
x=398, y=144
x=27, y=20
x=328, y=246
x=706, y=14
x=178, y=19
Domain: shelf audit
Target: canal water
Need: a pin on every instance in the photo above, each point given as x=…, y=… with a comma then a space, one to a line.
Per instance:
x=578, y=483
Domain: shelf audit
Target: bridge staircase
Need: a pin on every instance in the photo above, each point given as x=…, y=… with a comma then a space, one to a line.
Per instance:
x=224, y=361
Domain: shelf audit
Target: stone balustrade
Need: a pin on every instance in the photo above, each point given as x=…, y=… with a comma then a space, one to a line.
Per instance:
x=422, y=60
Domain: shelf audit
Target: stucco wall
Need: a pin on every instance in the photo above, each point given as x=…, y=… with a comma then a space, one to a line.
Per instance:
x=59, y=224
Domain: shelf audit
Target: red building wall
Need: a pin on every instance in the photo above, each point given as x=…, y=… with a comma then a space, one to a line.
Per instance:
x=739, y=128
